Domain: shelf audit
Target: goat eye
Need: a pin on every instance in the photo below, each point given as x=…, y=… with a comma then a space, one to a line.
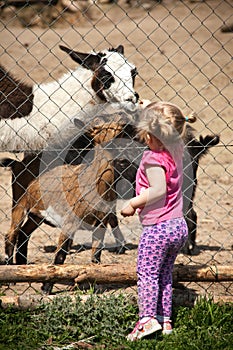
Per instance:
x=107, y=80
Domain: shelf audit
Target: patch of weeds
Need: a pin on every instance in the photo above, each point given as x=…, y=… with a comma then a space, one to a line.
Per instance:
x=207, y=325
x=104, y=322
x=18, y=330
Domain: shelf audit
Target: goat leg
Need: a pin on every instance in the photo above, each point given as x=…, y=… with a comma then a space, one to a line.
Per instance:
x=11, y=237
x=10, y=241
x=97, y=243
x=25, y=232
x=63, y=248
x=118, y=235
x=191, y=220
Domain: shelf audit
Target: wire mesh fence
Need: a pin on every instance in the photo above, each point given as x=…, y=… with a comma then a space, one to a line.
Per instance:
x=182, y=52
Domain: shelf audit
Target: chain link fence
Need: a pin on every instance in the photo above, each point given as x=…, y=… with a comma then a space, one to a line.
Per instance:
x=183, y=54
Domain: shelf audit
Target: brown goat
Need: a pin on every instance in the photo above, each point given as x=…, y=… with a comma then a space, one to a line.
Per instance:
x=23, y=173
x=68, y=197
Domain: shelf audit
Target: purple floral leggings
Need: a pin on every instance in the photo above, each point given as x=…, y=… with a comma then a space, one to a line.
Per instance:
x=158, y=248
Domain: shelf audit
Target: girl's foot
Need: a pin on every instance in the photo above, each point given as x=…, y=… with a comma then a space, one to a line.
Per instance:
x=143, y=329
x=167, y=327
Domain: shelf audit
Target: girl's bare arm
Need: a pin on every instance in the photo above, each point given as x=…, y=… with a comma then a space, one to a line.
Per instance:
x=157, y=190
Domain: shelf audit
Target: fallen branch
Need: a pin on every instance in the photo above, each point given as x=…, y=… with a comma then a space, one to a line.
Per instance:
x=31, y=301
x=203, y=273
x=107, y=273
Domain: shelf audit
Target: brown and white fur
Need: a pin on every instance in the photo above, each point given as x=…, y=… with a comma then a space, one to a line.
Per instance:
x=68, y=197
x=71, y=196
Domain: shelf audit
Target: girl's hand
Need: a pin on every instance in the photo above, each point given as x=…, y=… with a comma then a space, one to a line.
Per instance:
x=128, y=211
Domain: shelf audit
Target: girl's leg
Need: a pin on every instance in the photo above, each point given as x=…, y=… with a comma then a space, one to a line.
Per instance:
x=148, y=269
x=176, y=236
x=151, y=251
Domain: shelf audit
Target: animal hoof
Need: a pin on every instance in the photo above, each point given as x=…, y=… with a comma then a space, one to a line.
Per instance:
x=188, y=249
x=95, y=260
x=47, y=288
x=8, y=261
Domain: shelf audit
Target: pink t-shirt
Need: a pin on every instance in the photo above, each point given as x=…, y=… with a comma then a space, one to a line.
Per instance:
x=171, y=205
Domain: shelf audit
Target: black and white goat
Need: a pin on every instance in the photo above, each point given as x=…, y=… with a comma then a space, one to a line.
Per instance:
x=31, y=115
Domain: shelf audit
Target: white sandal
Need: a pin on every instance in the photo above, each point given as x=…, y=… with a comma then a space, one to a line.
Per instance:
x=143, y=329
x=167, y=327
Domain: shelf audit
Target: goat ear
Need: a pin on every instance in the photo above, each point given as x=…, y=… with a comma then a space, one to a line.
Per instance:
x=87, y=60
x=120, y=49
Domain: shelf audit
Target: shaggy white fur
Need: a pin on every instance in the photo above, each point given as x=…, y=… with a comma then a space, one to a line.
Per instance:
x=59, y=101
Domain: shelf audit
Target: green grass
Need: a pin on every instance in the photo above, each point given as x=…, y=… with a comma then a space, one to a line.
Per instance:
x=105, y=321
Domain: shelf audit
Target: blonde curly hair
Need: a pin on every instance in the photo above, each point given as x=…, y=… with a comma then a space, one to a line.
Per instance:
x=165, y=121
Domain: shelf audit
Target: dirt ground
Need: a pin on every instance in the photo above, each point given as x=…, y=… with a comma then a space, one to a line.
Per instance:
x=181, y=56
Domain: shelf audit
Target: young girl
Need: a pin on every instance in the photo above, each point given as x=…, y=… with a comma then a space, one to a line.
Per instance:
x=159, y=204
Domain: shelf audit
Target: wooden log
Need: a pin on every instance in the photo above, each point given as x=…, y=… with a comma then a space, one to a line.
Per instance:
x=31, y=301
x=107, y=273
x=62, y=273
x=204, y=273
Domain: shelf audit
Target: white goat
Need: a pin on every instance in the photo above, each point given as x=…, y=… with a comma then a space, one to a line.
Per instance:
x=31, y=115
